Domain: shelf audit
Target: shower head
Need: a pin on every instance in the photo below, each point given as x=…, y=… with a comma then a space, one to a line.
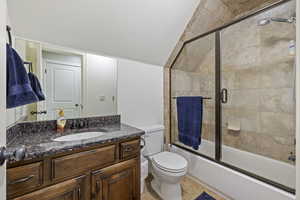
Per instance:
x=265, y=21
x=289, y=20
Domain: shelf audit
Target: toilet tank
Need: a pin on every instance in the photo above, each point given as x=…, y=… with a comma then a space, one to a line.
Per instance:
x=154, y=138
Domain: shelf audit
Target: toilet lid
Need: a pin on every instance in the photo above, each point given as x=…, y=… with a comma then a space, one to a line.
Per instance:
x=170, y=162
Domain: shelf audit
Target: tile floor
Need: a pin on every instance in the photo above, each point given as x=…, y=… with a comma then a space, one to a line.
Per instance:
x=191, y=189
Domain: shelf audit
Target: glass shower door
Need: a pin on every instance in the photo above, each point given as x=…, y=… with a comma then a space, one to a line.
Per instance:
x=258, y=73
x=193, y=74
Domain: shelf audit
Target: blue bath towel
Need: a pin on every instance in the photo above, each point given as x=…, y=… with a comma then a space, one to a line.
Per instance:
x=18, y=88
x=189, y=114
x=205, y=196
x=36, y=86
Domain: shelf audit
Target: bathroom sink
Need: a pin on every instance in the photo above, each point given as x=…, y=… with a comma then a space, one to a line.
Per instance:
x=78, y=136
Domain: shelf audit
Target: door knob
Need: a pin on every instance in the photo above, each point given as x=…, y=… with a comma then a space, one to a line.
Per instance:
x=18, y=154
x=77, y=105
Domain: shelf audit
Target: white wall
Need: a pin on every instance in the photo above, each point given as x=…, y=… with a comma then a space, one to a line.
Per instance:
x=101, y=83
x=140, y=93
x=64, y=58
x=298, y=104
x=2, y=93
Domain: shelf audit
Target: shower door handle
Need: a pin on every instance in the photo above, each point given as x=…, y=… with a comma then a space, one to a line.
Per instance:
x=224, y=95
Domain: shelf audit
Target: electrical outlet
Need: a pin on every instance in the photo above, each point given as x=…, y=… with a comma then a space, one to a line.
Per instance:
x=102, y=98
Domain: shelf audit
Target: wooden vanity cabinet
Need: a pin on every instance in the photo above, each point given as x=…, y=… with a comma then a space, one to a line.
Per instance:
x=117, y=182
x=73, y=189
x=107, y=172
x=24, y=178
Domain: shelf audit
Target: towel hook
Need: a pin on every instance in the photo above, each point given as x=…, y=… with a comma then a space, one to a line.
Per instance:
x=29, y=66
x=8, y=29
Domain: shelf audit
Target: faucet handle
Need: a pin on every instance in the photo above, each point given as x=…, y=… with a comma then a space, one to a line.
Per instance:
x=72, y=124
x=82, y=124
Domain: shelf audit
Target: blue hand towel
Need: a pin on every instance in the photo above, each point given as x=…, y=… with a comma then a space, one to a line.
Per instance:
x=189, y=114
x=36, y=86
x=18, y=89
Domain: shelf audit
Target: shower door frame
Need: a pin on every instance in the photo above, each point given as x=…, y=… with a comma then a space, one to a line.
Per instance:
x=218, y=104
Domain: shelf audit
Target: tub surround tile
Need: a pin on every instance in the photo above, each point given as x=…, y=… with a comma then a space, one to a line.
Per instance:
x=208, y=131
x=241, y=58
x=267, y=146
x=249, y=120
x=199, y=24
x=174, y=53
x=248, y=141
x=277, y=100
x=247, y=78
x=277, y=75
x=278, y=124
x=242, y=99
x=229, y=79
x=241, y=6
x=231, y=138
x=166, y=92
x=223, y=15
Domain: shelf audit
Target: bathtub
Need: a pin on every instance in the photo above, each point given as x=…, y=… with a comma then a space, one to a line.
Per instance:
x=237, y=185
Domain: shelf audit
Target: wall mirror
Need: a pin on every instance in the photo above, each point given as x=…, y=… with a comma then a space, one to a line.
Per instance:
x=63, y=73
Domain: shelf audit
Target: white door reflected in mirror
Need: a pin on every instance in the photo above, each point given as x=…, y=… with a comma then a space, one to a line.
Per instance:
x=63, y=89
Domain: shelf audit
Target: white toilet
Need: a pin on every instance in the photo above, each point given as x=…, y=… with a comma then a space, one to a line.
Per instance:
x=167, y=168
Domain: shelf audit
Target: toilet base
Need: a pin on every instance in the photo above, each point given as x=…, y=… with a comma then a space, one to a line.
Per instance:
x=167, y=191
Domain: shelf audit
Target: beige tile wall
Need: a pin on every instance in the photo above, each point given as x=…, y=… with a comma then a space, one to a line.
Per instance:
x=209, y=15
x=257, y=70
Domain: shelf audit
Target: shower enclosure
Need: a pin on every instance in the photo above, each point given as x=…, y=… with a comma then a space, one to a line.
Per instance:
x=247, y=68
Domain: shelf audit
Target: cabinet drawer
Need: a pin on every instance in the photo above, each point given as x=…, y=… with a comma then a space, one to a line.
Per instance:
x=78, y=163
x=129, y=149
x=73, y=189
x=24, y=179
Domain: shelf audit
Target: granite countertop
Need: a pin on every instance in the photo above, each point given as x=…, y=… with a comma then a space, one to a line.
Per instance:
x=40, y=144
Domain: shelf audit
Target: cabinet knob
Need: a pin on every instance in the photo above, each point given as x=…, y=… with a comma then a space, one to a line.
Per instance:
x=18, y=154
x=128, y=149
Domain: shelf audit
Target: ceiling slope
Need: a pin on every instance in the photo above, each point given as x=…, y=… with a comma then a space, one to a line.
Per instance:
x=143, y=30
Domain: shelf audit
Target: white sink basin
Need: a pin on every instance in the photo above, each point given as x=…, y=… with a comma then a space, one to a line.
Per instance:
x=78, y=136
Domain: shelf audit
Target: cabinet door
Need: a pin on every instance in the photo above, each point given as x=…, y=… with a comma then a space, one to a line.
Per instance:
x=120, y=181
x=73, y=189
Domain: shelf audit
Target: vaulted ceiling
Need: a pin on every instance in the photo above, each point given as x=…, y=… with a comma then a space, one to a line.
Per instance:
x=144, y=30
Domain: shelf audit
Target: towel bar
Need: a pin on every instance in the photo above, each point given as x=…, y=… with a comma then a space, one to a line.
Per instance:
x=203, y=98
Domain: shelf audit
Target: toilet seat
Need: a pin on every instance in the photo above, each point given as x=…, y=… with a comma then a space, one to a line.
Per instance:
x=170, y=162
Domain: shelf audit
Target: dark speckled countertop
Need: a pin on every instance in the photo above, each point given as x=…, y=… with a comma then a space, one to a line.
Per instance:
x=40, y=144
